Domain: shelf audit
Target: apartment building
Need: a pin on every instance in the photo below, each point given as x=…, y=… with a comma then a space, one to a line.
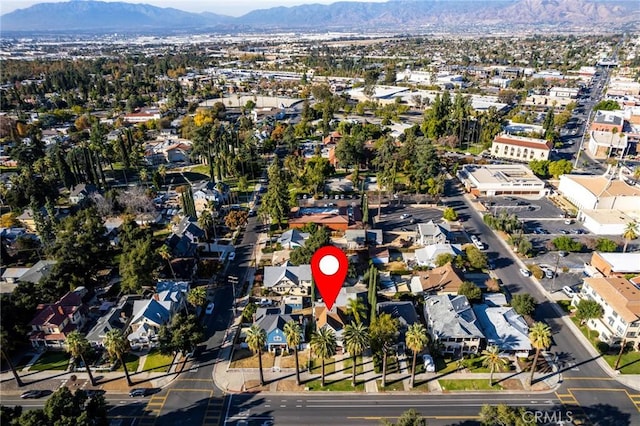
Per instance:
x=520, y=148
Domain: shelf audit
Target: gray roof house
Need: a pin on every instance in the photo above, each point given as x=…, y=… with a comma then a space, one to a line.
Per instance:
x=288, y=279
x=453, y=324
x=404, y=312
x=433, y=233
x=38, y=271
x=426, y=256
x=504, y=328
x=116, y=319
x=293, y=238
x=81, y=192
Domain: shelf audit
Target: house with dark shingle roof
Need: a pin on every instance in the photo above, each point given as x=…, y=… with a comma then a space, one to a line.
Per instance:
x=54, y=321
x=272, y=321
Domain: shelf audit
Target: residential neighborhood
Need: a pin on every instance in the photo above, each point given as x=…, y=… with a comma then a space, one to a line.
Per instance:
x=161, y=208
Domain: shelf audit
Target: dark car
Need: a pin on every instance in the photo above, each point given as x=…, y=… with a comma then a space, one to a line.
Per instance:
x=138, y=392
x=32, y=394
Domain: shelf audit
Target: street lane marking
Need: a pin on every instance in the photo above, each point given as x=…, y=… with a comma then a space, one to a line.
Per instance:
x=213, y=412
x=635, y=398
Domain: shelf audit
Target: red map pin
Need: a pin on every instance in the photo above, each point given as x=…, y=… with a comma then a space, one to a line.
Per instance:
x=329, y=266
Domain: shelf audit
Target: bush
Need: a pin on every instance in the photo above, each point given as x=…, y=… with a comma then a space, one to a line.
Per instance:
x=565, y=243
x=602, y=347
x=536, y=271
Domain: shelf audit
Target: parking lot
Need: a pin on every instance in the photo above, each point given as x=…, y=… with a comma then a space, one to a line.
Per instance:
x=522, y=207
x=399, y=217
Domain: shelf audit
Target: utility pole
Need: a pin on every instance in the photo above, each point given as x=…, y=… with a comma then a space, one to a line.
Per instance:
x=555, y=272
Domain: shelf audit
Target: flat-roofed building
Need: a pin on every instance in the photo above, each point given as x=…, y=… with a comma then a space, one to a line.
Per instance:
x=607, y=121
x=620, y=301
x=616, y=264
x=520, y=148
x=607, y=222
x=564, y=92
x=604, y=144
x=499, y=179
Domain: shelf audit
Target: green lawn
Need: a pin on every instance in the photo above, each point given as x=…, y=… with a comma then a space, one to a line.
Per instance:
x=157, y=362
x=347, y=364
x=316, y=366
x=467, y=385
x=339, y=386
x=391, y=385
x=629, y=364
x=51, y=361
x=132, y=362
x=565, y=305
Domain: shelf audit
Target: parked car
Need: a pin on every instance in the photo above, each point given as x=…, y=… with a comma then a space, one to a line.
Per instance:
x=548, y=273
x=232, y=255
x=525, y=272
x=139, y=392
x=405, y=216
x=209, y=309
x=568, y=291
x=562, y=253
x=429, y=365
x=32, y=394
x=568, y=222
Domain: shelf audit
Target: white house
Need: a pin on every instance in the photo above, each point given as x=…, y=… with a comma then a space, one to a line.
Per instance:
x=288, y=279
x=433, y=233
x=426, y=256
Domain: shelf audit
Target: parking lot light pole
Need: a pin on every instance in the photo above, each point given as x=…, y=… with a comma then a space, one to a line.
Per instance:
x=555, y=272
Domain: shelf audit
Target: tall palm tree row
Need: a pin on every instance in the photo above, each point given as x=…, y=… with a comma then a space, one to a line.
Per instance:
x=293, y=334
x=256, y=339
x=78, y=346
x=416, y=340
x=323, y=344
x=356, y=340
x=491, y=358
x=117, y=346
x=540, y=337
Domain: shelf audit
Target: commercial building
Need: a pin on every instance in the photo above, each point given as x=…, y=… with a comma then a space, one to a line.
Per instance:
x=501, y=179
x=520, y=148
x=599, y=192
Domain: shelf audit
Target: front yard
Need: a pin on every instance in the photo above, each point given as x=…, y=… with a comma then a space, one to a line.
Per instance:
x=244, y=358
x=51, y=360
x=157, y=362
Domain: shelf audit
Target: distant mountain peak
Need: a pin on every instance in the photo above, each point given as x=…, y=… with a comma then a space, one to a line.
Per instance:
x=393, y=15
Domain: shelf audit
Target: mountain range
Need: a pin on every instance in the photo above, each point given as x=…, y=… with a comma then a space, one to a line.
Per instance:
x=399, y=16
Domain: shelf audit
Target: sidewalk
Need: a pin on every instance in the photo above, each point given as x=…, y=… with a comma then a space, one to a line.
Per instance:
x=630, y=380
x=109, y=381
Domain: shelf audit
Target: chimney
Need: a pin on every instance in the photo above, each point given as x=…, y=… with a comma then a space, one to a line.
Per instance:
x=60, y=310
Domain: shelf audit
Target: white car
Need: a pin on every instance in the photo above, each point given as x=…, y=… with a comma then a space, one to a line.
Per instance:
x=429, y=365
x=209, y=309
x=568, y=291
x=232, y=255
x=525, y=272
x=405, y=216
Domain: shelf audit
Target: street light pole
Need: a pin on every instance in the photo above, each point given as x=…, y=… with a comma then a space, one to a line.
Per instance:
x=555, y=272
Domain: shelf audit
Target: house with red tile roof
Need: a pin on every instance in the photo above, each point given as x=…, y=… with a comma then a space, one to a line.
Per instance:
x=520, y=148
x=54, y=321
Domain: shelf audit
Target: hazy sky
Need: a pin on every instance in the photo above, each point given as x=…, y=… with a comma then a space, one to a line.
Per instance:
x=223, y=7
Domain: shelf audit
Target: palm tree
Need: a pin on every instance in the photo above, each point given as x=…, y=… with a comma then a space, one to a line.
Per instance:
x=540, y=337
x=5, y=344
x=197, y=296
x=165, y=253
x=162, y=171
x=293, y=334
x=78, y=346
x=323, y=344
x=416, y=339
x=256, y=339
x=384, y=332
x=117, y=346
x=206, y=222
x=356, y=309
x=356, y=340
x=630, y=233
x=491, y=358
